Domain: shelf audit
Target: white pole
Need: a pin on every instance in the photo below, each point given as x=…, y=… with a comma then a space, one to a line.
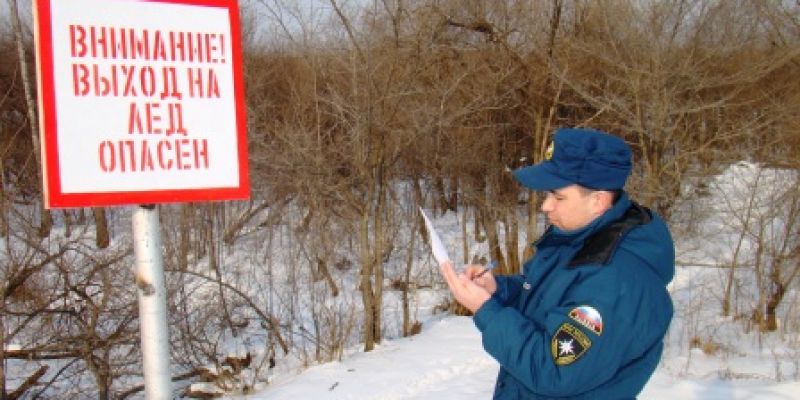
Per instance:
x=152, y=293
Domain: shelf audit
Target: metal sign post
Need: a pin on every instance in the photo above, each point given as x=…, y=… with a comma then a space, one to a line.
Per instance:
x=152, y=293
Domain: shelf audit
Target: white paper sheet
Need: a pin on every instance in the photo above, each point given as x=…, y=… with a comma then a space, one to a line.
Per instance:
x=439, y=251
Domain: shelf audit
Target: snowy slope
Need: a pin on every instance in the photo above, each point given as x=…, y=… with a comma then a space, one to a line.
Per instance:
x=446, y=362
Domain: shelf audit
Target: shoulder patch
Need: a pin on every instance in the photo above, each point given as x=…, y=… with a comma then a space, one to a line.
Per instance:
x=568, y=344
x=589, y=317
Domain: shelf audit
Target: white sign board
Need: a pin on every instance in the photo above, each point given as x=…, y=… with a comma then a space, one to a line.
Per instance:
x=140, y=101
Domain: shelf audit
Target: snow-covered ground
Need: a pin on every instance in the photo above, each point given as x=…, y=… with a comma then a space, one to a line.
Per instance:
x=446, y=361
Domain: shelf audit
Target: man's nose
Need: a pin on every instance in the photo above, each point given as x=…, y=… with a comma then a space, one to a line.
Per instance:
x=547, y=204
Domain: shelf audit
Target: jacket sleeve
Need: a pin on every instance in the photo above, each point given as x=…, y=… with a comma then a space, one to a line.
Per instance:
x=508, y=288
x=524, y=345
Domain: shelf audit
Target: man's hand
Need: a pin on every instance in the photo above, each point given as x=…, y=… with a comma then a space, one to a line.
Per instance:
x=468, y=293
x=481, y=276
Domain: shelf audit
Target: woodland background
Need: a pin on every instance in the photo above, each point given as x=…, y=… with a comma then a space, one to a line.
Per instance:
x=358, y=113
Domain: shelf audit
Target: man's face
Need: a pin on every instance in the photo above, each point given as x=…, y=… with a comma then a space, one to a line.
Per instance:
x=571, y=208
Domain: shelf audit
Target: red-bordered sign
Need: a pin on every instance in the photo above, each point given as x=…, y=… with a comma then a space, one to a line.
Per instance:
x=140, y=101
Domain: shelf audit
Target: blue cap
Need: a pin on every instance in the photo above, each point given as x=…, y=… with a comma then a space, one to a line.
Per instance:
x=586, y=157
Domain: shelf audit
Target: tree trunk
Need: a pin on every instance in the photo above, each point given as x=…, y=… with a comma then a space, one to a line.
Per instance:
x=3, y=202
x=775, y=297
x=420, y=202
x=67, y=215
x=541, y=143
x=464, y=236
x=407, y=281
x=480, y=237
x=46, y=223
x=532, y=228
x=213, y=262
x=490, y=227
x=728, y=293
x=512, y=241
x=441, y=194
x=758, y=313
x=101, y=375
x=3, y=347
x=367, y=296
x=101, y=226
x=377, y=251
x=322, y=268
x=185, y=236
x=453, y=198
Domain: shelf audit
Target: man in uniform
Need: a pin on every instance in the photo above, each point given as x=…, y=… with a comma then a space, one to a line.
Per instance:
x=587, y=317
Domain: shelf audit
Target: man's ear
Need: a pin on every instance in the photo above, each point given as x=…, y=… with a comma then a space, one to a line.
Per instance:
x=603, y=201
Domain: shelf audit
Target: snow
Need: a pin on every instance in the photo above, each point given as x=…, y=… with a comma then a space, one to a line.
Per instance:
x=446, y=362
x=202, y=387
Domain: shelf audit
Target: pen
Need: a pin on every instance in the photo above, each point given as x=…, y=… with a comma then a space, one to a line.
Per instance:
x=492, y=264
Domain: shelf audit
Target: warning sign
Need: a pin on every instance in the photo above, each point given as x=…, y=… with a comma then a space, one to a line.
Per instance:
x=140, y=101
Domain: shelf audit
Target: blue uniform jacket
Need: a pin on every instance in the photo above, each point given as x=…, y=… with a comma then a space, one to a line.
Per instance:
x=587, y=317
